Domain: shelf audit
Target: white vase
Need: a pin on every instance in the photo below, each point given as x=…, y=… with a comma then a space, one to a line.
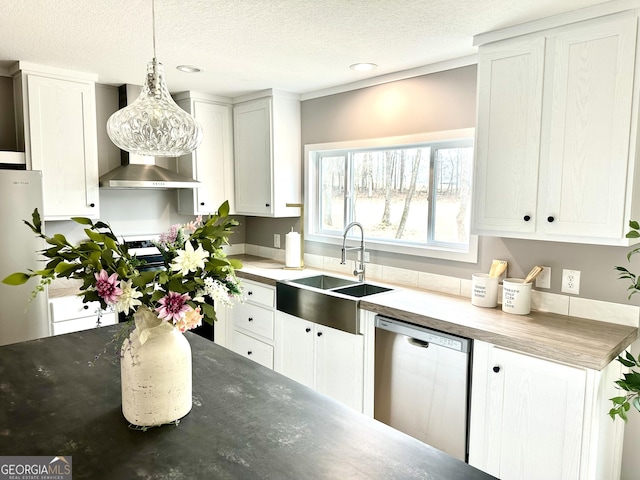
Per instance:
x=155, y=367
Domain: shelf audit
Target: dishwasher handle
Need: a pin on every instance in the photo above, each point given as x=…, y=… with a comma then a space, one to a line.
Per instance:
x=424, y=334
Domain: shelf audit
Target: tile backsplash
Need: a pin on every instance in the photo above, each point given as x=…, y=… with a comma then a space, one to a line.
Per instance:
x=541, y=301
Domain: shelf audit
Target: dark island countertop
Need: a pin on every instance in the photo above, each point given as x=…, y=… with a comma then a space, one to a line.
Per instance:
x=247, y=421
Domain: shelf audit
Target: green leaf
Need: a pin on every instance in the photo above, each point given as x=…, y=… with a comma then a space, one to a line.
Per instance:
x=235, y=263
x=209, y=313
x=634, y=224
x=17, y=278
x=82, y=220
x=57, y=239
x=65, y=269
x=223, y=210
x=633, y=234
x=95, y=236
x=635, y=401
x=618, y=400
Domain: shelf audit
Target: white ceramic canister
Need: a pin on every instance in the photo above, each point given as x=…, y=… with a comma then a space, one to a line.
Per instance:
x=484, y=290
x=516, y=296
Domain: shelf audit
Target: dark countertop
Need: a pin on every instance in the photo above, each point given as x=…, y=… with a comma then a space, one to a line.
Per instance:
x=247, y=421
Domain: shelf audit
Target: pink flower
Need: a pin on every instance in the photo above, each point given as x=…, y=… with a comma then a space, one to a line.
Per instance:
x=192, y=319
x=170, y=236
x=173, y=306
x=107, y=287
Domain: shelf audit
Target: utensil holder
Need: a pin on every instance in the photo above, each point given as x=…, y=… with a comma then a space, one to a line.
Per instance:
x=516, y=296
x=484, y=290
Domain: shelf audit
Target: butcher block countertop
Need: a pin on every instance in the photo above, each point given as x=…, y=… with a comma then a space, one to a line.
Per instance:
x=573, y=340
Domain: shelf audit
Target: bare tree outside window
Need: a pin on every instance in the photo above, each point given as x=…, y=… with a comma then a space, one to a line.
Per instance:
x=390, y=191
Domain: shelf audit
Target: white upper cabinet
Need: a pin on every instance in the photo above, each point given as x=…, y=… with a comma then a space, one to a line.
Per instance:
x=508, y=135
x=212, y=162
x=56, y=117
x=266, y=139
x=555, y=153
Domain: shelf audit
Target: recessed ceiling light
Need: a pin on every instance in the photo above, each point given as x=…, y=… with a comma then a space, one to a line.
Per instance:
x=363, y=67
x=188, y=69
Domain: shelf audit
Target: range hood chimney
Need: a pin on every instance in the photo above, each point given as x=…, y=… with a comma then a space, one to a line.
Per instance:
x=137, y=171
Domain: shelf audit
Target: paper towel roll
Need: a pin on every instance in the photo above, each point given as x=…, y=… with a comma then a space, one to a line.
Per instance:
x=292, y=247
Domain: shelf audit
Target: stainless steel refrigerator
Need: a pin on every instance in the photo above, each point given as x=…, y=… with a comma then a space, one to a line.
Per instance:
x=21, y=317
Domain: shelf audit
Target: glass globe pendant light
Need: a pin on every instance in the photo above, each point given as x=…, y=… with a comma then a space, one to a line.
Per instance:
x=154, y=124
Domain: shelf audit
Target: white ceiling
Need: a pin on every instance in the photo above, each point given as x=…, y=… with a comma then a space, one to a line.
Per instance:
x=249, y=45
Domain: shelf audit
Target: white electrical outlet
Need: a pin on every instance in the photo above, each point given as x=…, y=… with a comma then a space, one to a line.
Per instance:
x=276, y=240
x=571, y=281
x=543, y=280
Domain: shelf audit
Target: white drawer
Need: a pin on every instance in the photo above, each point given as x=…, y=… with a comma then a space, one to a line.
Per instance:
x=252, y=349
x=71, y=307
x=259, y=294
x=254, y=319
x=85, y=323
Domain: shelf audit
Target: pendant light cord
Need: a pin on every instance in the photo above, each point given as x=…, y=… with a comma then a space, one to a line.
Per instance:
x=153, y=24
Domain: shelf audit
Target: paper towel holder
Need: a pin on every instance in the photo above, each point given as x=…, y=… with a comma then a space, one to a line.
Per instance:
x=301, y=206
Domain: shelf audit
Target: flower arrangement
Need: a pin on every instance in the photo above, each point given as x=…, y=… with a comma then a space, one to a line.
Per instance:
x=196, y=269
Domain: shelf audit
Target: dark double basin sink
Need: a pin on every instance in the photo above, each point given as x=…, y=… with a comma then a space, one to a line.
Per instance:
x=326, y=300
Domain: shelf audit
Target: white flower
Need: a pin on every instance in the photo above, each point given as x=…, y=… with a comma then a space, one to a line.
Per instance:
x=189, y=260
x=217, y=291
x=128, y=300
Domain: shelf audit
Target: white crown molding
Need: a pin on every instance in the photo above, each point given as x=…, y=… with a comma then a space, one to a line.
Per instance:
x=393, y=77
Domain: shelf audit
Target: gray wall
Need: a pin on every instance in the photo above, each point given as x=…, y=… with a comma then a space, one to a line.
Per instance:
x=440, y=101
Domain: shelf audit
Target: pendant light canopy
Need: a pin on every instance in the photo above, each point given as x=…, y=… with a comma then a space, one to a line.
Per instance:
x=154, y=124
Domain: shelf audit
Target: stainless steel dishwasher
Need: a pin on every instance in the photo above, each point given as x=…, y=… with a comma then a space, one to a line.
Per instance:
x=422, y=384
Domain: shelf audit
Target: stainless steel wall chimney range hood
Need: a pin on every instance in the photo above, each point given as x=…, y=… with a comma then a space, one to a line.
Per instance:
x=137, y=171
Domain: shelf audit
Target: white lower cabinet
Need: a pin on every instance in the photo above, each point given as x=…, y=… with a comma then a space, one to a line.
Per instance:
x=328, y=360
x=69, y=314
x=536, y=419
x=251, y=323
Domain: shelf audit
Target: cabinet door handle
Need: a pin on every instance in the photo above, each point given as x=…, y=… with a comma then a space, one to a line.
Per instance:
x=250, y=319
x=307, y=329
x=550, y=219
x=527, y=218
x=92, y=205
x=202, y=204
x=249, y=292
x=267, y=204
x=249, y=352
x=496, y=369
x=319, y=334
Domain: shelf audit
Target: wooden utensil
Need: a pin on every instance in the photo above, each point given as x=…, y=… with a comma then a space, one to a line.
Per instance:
x=497, y=268
x=535, y=271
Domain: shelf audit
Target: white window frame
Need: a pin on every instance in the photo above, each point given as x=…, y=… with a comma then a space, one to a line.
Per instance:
x=468, y=255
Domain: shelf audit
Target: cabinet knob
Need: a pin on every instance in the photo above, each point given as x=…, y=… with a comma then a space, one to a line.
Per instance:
x=249, y=292
x=92, y=205
x=550, y=219
x=250, y=319
x=319, y=334
x=307, y=329
x=496, y=369
x=527, y=218
x=86, y=307
x=202, y=204
x=249, y=352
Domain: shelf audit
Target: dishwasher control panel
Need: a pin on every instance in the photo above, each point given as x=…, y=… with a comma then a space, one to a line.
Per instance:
x=423, y=334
